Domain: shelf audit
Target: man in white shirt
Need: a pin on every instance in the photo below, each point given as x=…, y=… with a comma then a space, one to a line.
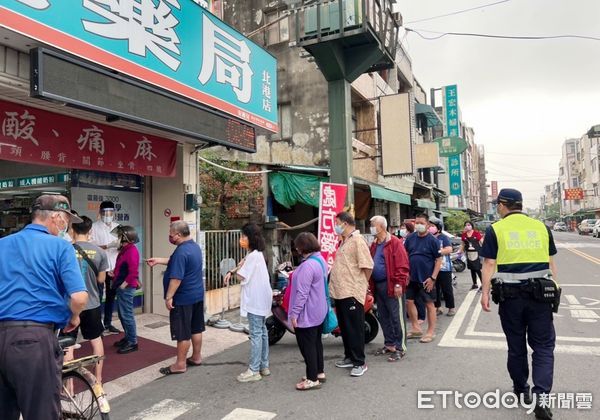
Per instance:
x=101, y=236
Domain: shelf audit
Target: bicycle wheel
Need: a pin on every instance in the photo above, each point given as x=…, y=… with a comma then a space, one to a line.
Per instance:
x=77, y=399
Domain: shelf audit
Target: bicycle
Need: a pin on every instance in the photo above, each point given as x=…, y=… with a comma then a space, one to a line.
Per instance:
x=82, y=396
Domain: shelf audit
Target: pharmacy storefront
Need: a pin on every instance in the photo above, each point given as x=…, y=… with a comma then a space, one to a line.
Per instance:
x=104, y=100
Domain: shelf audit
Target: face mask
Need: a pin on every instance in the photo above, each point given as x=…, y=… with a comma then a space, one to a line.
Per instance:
x=172, y=240
x=420, y=228
x=433, y=230
x=244, y=243
x=403, y=232
x=338, y=229
x=373, y=230
x=468, y=228
x=107, y=219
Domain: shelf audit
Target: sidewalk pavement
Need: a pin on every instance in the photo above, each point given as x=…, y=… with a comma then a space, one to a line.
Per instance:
x=156, y=328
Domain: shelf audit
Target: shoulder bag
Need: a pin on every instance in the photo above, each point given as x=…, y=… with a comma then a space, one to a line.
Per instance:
x=330, y=323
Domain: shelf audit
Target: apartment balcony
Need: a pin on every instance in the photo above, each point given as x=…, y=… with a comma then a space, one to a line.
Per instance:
x=364, y=32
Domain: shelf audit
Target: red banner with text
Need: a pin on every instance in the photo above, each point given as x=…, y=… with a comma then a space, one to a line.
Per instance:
x=332, y=198
x=33, y=135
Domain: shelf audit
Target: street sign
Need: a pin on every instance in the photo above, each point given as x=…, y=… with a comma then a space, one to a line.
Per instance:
x=454, y=169
x=574, y=194
x=451, y=146
x=494, y=190
x=332, y=198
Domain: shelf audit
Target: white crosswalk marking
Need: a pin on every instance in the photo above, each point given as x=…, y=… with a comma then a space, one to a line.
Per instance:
x=165, y=410
x=245, y=414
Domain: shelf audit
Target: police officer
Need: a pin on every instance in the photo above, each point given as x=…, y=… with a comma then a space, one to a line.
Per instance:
x=520, y=249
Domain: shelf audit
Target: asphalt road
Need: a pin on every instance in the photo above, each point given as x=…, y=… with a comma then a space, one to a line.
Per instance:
x=468, y=355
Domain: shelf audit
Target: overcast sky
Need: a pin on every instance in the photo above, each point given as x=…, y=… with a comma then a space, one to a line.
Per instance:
x=523, y=98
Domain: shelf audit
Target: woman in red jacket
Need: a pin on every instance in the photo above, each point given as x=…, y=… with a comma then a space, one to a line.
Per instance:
x=388, y=282
x=471, y=244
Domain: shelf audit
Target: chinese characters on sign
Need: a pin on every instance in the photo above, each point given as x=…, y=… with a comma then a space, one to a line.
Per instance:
x=39, y=136
x=332, y=198
x=494, y=190
x=177, y=45
x=454, y=170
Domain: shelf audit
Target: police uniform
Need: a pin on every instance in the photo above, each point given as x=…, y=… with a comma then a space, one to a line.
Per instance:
x=522, y=247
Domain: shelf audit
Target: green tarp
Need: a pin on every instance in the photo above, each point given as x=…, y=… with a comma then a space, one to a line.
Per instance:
x=289, y=188
x=389, y=195
x=425, y=204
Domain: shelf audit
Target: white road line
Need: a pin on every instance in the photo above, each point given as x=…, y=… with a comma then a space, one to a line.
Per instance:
x=165, y=410
x=451, y=333
x=246, y=414
x=584, y=313
x=572, y=300
x=579, y=285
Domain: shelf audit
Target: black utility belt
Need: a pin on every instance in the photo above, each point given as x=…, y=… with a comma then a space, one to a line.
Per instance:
x=539, y=289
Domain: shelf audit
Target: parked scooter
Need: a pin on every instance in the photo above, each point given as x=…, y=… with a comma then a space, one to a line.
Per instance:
x=278, y=324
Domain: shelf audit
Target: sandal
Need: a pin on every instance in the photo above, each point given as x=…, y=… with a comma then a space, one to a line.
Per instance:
x=397, y=355
x=383, y=350
x=190, y=362
x=308, y=385
x=414, y=334
x=167, y=371
x=427, y=338
x=321, y=379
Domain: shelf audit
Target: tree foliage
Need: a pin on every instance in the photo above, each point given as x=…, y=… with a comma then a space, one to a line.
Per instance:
x=456, y=221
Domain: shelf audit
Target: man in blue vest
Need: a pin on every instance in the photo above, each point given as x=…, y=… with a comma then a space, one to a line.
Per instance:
x=517, y=253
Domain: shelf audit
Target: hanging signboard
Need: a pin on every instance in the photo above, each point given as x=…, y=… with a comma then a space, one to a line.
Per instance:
x=35, y=136
x=454, y=169
x=574, y=194
x=451, y=146
x=332, y=198
x=176, y=45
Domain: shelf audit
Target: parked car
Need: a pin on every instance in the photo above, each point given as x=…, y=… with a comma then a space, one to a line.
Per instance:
x=586, y=226
x=596, y=229
x=560, y=227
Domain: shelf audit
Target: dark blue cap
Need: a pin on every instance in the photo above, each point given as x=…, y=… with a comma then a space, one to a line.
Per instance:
x=509, y=195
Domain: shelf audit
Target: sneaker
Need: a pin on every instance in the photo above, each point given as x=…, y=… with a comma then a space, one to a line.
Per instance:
x=111, y=330
x=128, y=348
x=439, y=311
x=265, y=372
x=346, y=363
x=120, y=343
x=249, y=376
x=359, y=370
x=474, y=287
x=451, y=312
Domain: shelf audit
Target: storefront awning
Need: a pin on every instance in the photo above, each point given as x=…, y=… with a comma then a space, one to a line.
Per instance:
x=432, y=117
x=389, y=195
x=425, y=204
x=292, y=188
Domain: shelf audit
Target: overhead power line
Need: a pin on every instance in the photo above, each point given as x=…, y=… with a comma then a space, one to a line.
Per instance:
x=458, y=12
x=440, y=35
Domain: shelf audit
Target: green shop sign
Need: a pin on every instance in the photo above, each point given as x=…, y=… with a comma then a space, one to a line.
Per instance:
x=34, y=181
x=451, y=146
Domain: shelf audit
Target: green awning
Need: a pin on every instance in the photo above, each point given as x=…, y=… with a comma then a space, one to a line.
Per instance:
x=389, y=195
x=290, y=188
x=433, y=118
x=425, y=204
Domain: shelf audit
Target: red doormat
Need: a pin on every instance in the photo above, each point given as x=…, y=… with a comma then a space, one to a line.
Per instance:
x=117, y=365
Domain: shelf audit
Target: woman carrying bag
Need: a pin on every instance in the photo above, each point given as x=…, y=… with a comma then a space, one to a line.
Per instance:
x=471, y=244
x=309, y=308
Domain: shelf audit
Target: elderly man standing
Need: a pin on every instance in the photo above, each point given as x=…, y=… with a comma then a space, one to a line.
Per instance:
x=38, y=273
x=184, y=296
x=348, y=286
x=388, y=281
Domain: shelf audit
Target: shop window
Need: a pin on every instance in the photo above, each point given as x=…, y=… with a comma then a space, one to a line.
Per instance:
x=279, y=31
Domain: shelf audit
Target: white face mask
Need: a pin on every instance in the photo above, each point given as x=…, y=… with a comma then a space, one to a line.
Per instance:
x=420, y=228
x=403, y=232
x=373, y=230
x=107, y=219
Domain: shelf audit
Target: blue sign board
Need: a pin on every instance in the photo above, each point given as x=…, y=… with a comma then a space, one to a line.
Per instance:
x=455, y=177
x=176, y=45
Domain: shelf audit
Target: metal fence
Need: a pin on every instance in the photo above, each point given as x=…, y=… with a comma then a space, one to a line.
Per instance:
x=218, y=246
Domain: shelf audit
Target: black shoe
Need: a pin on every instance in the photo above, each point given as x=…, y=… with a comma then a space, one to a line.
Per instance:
x=111, y=330
x=542, y=413
x=474, y=287
x=121, y=342
x=525, y=397
x=128, y=348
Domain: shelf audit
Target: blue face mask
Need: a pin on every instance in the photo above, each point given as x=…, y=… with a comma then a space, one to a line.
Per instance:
x=338, y=229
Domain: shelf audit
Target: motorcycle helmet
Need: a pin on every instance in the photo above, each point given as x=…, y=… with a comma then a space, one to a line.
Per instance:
x=437, y=223
x=126, y=234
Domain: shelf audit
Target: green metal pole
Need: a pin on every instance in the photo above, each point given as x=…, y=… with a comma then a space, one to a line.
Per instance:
x=340, y=135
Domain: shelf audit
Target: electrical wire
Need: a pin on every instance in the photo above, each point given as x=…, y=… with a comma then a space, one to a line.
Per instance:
x=458, y=12
x=511, y=37
x=225, y=168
